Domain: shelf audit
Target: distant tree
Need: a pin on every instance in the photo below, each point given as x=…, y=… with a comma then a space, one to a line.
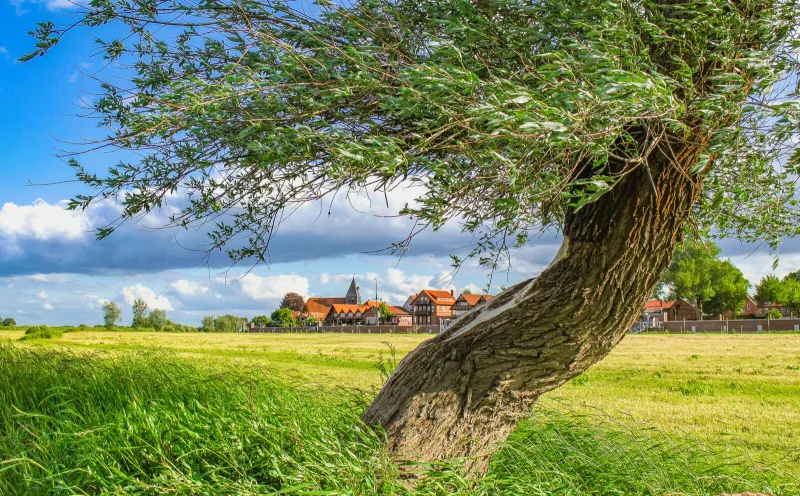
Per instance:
x=229, y=323
x=789, y=294
x=158, y=319
x=139, y=314
x=793, y=275
x=112, y=314
x=730, y=289
x=386, y=314
x=466, y=291
x=261, y=320
x=209, y=324
x=768, y=290
x=9, y=322
x=293, y=301
x=690, y=275
x=282, y=317
x=774, y=314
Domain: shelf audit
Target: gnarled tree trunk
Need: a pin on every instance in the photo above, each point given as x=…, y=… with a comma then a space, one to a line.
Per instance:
x=462, y=392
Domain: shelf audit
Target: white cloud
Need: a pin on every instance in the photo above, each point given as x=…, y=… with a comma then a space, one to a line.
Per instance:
x=51, y=5
x=473, y=288
x=186, y=288
x=48, y=306
x=758, y=265
x=42, y=295
x=153, y=301
x=41, y=222
x=272, y=287
x=49, y=278
x=93, y=302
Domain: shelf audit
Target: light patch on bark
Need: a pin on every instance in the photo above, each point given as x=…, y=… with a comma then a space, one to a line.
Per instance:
x=489, y=314
x=563, y=252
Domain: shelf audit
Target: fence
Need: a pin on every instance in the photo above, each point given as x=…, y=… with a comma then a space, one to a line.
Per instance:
x=743, y=326
x=360, y=329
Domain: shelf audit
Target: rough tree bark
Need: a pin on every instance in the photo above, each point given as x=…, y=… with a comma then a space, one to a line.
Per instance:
x=462, y=392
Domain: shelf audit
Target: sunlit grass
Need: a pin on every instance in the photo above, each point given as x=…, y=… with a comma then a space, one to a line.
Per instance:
x=155, y=423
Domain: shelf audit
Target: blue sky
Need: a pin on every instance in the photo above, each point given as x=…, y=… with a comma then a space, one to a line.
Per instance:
x=52, y=270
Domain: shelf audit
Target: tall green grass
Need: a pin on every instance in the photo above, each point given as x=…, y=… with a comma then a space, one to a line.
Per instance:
x=73, y=423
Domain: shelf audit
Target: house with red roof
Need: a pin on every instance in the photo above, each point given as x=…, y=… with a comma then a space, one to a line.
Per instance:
x=433, y=307
x=656, y=312
x=466, y=302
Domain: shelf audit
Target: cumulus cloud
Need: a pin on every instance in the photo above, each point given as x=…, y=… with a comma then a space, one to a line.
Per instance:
x=48, y=306
x=45, y=238
x=139, y=292
x=189, y=289
x=51, y=5
x=40, y=221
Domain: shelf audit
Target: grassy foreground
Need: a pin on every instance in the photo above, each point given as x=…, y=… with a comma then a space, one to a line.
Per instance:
x=235, y=415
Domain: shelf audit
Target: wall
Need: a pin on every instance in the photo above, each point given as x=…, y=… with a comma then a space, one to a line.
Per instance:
x=362, y=329
x=733, y=326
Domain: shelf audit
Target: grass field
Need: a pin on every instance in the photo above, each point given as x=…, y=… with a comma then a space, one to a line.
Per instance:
x=95, y=412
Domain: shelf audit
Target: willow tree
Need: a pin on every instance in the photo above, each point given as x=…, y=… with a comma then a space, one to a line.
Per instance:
x=625, y=124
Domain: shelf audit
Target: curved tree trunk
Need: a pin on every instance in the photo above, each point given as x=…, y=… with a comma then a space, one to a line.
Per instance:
x=462, y=392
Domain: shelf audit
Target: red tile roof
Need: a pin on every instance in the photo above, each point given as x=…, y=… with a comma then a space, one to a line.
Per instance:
x=471, y=299
x=397, y=311
x=655, y=304
x=436, y=294
x=327, y=300
x=349, y=308
x=438, y=297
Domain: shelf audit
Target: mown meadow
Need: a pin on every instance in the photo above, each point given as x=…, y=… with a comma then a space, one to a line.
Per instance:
x=96, y=412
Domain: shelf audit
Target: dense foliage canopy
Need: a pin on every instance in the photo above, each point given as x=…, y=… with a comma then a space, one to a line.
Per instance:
x=786, y=291
x=293, y=301
x=139, y=309
x=493, y=107
x=112, y=314
x=698, y=275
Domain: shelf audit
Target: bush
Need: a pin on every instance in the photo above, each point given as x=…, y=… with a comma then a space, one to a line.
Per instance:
x=41, y=332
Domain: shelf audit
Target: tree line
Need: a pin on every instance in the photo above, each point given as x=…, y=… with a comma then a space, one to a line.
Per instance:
x=8, y=322
x=155, y=319
x=715, y=286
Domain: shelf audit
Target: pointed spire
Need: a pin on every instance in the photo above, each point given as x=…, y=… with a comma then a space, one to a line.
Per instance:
x=353, y=297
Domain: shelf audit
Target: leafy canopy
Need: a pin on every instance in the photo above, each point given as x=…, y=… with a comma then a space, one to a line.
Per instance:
x=139, y=309
x=698, y=275
x=768, y=290
x=112, y=314
x=282, y=317
x=491, y=107
x=293, y=301
x=786, y=291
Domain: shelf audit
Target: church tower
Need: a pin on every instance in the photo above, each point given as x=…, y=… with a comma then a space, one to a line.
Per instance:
x=353, y=297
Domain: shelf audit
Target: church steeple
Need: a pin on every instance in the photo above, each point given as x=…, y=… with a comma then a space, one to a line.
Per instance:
x=353, y=297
